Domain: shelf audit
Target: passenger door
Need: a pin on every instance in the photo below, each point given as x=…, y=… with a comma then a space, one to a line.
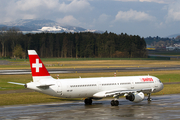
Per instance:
x=59, y=88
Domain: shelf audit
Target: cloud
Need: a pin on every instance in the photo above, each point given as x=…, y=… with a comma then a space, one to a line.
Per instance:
x=24, y=5
x=156, y=1
x=68, y=20
x=75, y=6
x=133, y=15
x=56, y=5
x=103, y=18
x=173, y=12
x=33, y=9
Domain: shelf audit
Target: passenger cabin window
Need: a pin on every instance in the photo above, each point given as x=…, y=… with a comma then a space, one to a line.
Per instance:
x=125, y=83
x=84, y=85
x=109, y=84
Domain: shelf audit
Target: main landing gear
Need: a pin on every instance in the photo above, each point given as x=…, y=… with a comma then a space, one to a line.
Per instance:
x=88, y=101
x=114, y=103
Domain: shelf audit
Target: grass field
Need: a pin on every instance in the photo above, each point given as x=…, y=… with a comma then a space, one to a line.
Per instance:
x=56, y=63
x=84, y=59
x=34, y=97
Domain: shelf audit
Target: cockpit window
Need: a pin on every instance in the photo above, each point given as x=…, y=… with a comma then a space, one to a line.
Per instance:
x=160, y=81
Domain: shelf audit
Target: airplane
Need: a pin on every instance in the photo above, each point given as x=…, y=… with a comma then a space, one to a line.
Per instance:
x=132, y=87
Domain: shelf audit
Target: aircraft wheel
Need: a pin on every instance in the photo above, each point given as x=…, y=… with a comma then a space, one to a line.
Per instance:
x=114, y=103
x=88, y=101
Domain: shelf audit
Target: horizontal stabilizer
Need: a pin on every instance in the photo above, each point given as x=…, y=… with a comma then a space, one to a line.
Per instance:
x=44, y=86
x=16, y=83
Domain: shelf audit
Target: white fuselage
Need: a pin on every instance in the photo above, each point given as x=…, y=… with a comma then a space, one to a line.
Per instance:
x=95, y=87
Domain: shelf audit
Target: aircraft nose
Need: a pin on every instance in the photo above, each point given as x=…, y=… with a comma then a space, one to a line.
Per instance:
x=162, y=86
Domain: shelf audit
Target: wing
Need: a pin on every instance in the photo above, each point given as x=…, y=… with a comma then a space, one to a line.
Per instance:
x=120, y=92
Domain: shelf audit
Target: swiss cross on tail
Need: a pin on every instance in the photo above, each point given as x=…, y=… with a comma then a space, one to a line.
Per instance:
x=37, y=67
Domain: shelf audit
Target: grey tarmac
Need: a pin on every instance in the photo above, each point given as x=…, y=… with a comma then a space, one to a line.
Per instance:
x=90, y=70
x=166, y=107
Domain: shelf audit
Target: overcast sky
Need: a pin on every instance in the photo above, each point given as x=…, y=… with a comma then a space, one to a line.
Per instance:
x=136, y=17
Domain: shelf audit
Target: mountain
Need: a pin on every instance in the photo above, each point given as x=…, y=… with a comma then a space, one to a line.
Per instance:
x=173, y=36
x=37, y=26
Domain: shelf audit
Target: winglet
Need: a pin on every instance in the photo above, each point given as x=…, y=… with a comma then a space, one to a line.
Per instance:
x=38, y=69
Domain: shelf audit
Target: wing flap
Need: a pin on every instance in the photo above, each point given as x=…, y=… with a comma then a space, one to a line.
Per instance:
x=121, y=92
x=146, y=90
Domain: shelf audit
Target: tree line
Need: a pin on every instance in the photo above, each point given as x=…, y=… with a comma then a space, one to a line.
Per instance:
x=160, y=42
x=14, y=44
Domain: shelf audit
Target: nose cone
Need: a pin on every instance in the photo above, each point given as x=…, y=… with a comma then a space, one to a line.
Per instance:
x=162, y=86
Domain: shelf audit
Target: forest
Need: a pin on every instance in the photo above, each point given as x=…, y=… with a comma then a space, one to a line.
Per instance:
x=14, y=44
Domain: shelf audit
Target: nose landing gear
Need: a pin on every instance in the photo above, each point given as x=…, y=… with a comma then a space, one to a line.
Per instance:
x=149, y=97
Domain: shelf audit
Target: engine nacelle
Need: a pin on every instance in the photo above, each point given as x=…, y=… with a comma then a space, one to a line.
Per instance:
x=135, y=97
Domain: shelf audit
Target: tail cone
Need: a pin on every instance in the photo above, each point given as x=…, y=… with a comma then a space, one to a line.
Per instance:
x=25, y=85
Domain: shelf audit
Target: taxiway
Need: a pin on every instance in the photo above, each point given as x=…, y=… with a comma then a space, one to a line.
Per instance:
x=91, y=70
x=164, y=107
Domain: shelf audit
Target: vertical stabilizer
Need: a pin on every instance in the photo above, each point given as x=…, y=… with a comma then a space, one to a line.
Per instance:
x=38, y=69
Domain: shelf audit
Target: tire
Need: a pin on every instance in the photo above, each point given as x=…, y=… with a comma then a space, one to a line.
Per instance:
x=112, y=103
x=116, y=103
x=88, y=101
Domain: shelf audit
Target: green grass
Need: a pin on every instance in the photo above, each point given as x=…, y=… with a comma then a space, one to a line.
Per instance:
x=54, y=63
x=169, y=77
x=13, y=78
x=81, y=59
x=169, y=89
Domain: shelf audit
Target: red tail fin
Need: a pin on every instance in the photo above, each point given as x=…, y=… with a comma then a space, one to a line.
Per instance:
x=37, y=67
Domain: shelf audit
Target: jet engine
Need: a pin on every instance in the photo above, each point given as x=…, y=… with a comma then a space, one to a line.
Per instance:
x=135, y=97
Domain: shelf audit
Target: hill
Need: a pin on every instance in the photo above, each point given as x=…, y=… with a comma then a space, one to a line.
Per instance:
x=38, y=26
